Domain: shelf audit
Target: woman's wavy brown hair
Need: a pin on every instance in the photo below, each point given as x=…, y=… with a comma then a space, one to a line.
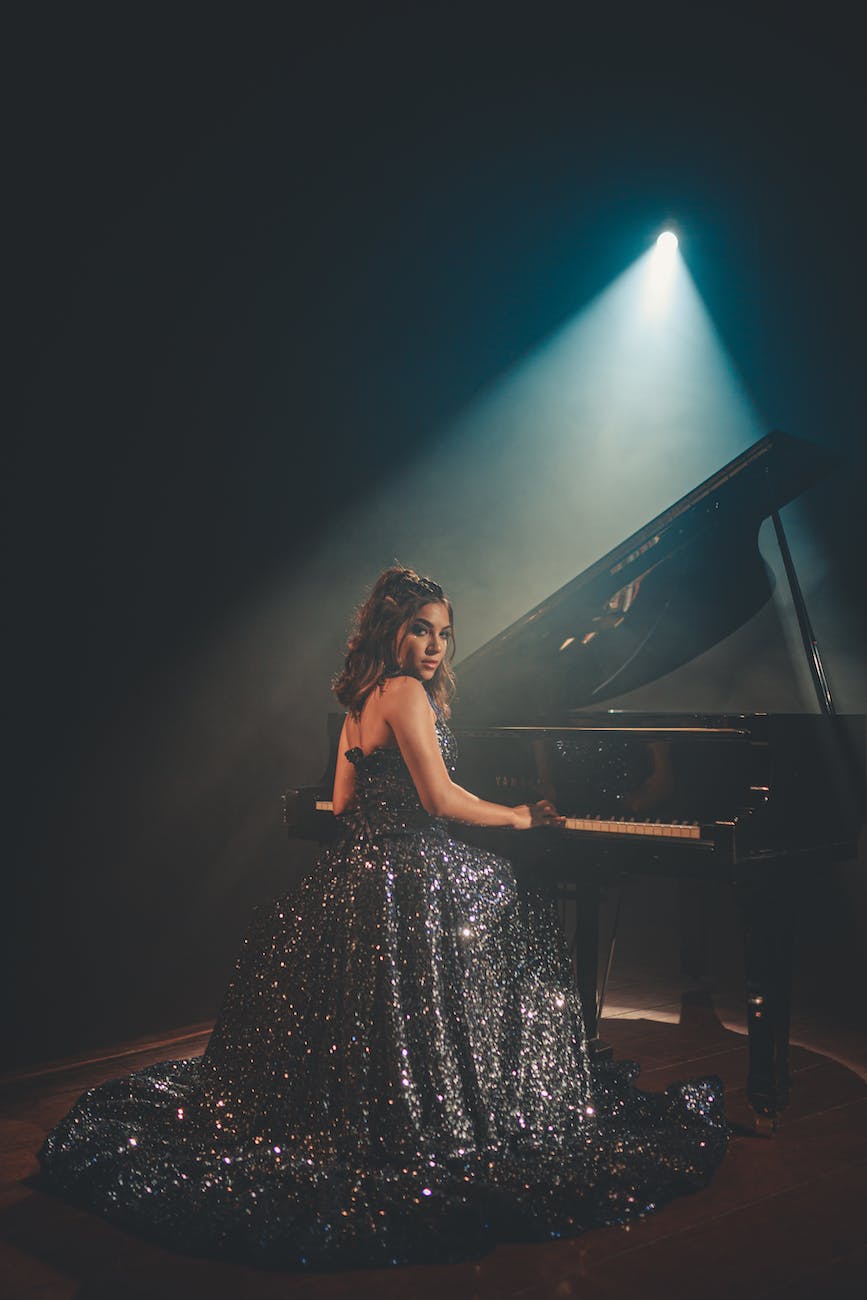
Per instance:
x=380, y=626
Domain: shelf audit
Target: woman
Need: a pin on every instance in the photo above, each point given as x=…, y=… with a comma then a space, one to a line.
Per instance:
x=399, y=1070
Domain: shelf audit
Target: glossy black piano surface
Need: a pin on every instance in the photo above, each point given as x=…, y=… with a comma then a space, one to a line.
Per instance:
x=676, y=587
x=736, y=785
x=756, y=798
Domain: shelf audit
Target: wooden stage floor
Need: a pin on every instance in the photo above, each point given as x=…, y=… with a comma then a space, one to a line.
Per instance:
x=786, y=1216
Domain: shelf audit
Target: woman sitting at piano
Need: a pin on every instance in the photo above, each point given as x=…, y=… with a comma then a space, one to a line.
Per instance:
x=399, y=1071
x=396, y=686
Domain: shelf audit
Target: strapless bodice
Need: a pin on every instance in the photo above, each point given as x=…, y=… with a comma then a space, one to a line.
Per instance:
x=388, y=802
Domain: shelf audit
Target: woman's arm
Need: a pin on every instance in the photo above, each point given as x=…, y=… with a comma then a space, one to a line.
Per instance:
x=344, y=778
x=406, y=708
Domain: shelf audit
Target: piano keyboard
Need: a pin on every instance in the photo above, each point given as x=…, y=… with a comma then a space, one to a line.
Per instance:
x=619, y=826
x=616, y=826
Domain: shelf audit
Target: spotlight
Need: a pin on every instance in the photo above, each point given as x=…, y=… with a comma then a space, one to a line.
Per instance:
x=662, y=271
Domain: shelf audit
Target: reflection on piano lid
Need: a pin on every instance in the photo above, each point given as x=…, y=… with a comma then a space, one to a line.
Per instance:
x=670, y=591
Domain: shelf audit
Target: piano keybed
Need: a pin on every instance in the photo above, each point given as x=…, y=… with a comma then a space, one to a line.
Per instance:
x=601, y=826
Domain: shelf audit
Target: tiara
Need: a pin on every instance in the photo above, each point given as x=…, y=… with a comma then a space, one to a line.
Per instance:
x=429, y=587
x=405, y=578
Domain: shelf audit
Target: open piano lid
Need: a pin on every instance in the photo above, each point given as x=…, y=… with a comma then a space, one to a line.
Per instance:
x=670, y=591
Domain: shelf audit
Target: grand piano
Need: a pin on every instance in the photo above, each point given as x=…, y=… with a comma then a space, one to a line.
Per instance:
x=761, y=800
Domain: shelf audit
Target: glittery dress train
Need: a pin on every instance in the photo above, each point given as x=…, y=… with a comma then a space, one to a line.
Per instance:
x=398, y=1073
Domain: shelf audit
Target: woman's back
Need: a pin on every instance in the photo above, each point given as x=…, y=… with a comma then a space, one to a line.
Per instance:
x=371, y=729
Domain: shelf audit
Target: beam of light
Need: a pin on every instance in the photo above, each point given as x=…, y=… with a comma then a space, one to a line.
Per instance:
x=604, y=424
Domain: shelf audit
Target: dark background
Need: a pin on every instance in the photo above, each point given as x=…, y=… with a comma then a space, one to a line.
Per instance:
x=259, y=261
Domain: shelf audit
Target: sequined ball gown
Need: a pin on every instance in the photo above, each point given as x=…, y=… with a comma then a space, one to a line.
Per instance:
x=398, y=1073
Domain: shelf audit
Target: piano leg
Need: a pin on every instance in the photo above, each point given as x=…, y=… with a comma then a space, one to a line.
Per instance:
x=767, y=908
x=587, y=898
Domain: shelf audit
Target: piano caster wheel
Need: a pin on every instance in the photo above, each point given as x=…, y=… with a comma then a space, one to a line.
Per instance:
x=765, y=1125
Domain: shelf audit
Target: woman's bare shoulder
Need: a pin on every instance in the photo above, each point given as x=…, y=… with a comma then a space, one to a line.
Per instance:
x=403, y=692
